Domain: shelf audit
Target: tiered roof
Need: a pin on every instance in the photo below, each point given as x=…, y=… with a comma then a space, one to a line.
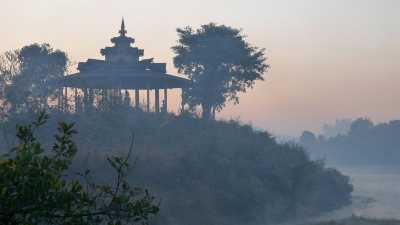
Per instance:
x=122, y=68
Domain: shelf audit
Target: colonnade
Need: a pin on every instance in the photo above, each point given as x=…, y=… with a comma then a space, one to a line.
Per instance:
x=86, y=98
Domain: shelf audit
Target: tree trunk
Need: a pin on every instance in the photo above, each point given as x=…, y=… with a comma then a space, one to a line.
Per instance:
x=206, y=111
x=213, y=113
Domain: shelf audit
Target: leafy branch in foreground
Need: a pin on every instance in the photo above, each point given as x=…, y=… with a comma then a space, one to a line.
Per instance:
x=35, y=187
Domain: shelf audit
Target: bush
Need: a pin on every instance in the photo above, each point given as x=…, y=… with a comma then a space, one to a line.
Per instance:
x=36, y=186
x=212, y=172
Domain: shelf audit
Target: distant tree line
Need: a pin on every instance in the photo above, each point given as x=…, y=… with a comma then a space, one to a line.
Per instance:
x=364, y=143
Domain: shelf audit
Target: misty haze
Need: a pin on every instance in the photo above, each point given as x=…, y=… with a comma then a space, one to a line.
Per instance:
x=199, y=112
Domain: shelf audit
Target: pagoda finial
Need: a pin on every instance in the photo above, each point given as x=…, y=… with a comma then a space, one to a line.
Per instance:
x=123, y=30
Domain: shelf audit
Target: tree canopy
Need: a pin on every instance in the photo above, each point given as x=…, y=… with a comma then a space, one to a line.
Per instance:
x=219, y=62
x=27, y=76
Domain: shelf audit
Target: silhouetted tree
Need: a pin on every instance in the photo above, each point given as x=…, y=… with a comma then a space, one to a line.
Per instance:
x=9, y=68
x=340, y=127
x=27, y=76
x=360, y=126
x=308, y=137
x=365, y=143
x=220, y=64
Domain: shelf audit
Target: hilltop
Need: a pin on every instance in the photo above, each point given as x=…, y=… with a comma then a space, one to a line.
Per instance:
x=205, y=172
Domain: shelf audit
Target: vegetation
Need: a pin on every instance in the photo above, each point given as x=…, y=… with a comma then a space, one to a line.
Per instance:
x=340, y=127
x=207, y=172
x=220, y=64
x=36, y=188
x=361, y=221
x=365, y=143
x=28, y=75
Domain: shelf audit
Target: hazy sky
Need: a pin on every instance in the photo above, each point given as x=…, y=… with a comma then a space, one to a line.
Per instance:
x=330, y=59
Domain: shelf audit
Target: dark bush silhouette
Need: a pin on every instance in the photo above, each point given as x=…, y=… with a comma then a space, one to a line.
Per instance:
x=27, y=77
x=208, y=172
x=38, y=188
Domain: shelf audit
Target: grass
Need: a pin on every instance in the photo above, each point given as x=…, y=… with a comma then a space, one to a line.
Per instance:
x=361, y=221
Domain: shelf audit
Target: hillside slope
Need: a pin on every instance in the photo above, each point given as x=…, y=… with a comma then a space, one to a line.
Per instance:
x=207, y=172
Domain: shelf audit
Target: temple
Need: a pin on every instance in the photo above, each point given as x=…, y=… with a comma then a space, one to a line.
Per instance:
x=113, y=79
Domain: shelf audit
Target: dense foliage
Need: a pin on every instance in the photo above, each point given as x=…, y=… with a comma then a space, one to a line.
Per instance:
x=220, y=64
x=365, y=143
x=27, y=77
x=36, y=187
x=208, y=172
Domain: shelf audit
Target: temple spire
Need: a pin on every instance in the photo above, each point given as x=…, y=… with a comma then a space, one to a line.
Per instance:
x=123, y=30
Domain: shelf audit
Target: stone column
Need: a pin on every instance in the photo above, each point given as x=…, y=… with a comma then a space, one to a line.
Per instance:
x=137, y=99
x=165, y=106
x=60, y=99
x=157, y=100
x=148, y=100
x=76, y=101
x=90, y=99
x=65, y=99
x=85, y=99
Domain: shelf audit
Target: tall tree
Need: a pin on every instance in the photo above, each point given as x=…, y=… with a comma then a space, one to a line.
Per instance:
x=9, y=68
x=220, y=64
x=27, y=75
